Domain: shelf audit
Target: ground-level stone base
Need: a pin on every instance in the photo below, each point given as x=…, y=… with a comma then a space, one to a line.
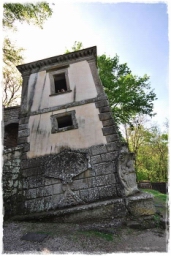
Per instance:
x=140, y=204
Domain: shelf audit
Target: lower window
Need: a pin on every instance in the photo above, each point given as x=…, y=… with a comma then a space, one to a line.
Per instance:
x=64, y=122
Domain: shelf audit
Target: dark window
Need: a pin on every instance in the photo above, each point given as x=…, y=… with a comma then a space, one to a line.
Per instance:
x=60, y=83
x=64, y=121
x=11, y=135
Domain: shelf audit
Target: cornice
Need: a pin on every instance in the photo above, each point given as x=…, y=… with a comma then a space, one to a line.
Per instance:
x=57, y=60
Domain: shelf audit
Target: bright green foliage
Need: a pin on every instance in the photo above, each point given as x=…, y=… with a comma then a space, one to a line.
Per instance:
x=151, y=150
x=128, y=94
x=76, y=47
x=11, y=54
x=34, y=14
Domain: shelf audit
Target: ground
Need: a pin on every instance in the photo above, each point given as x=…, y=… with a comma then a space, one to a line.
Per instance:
x=104, y=237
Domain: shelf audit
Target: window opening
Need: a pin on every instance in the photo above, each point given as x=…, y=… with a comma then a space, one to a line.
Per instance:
x=11, y=135
x=64, y=121
x=60, y=83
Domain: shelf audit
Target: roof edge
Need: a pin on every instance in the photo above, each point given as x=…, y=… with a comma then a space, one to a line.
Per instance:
x=91, y=51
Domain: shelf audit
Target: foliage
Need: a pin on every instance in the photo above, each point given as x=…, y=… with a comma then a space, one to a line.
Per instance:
x=34, y=14
x=150, y=146
x=128, y=94
x=12, y=55
x=76, y=47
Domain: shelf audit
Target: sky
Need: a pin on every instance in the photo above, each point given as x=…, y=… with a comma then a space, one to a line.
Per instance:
x=136, y=31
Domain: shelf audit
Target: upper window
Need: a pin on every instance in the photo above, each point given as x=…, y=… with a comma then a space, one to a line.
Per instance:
x=59, y=81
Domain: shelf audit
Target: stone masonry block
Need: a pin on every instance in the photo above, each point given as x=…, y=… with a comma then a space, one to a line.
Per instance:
x=31, y=193
x=105, y=116
x=113, y=146
x=103, y=168
x=21, y=140
x=96, y=159
x=104, y=109
x=112, y=138
x=109, y=156
x=108, y=130
x=26, y=147
x=31, y=172
x=102, y=103
x=92, y=182
x=30, y=163
x=40, y=192
x=84, y=195
x=57, y=189
x=108, y=122
x=102, y=96
x=24, y=120
x=24, y=133
x=48, y=191
x=23, y=127
x=48, y=203
x=93, y=194
x=97, y=150
x=79, y=184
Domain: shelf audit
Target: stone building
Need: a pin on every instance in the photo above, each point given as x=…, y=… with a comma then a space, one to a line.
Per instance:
x=63, y=157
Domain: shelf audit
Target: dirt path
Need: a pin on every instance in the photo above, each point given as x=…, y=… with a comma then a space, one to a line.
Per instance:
x=85, y=238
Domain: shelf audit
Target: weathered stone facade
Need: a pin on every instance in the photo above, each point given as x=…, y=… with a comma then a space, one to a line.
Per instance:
x=12, y=181
x=11, y=119
x=71, y=159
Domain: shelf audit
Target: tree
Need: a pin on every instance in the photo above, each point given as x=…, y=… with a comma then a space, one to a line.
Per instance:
x=34, y=14
x=128, y=94
x=12, y=56
x=76, y=47
x=150, y=146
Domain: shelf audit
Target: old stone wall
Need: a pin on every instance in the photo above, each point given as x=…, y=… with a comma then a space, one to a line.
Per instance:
x=70, y=178
x=12, y=181
x=11, y=115
x=10, y=123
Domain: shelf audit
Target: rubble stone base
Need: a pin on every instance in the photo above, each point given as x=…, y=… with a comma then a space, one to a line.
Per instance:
x=139, y=205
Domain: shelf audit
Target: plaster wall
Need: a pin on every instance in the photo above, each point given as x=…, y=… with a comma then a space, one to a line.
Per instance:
x=89, y=132
x=81, y=86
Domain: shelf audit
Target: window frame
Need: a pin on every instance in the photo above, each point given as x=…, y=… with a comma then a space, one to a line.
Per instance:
x=54, y=122
x=52, y=75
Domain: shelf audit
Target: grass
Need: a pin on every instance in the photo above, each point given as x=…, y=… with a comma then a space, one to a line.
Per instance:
x=108, y=237
x=157, y=195
x=160, y=200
